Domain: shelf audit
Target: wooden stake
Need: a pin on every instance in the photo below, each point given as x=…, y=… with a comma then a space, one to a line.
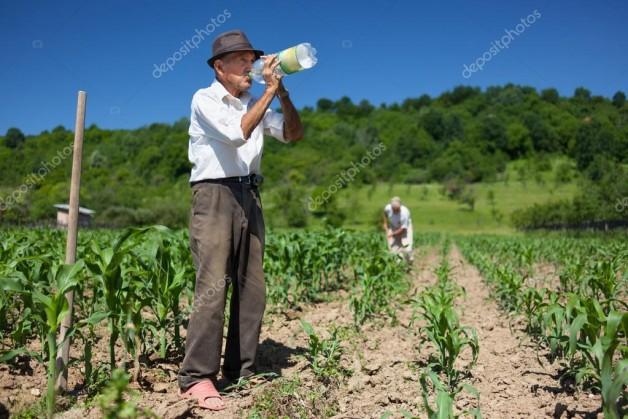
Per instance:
x=70, y=249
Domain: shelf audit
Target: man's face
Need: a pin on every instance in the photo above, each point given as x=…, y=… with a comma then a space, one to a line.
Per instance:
x=396, y=208
x=234, y=69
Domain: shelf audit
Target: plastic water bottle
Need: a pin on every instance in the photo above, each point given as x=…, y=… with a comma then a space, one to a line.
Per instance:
x=291, y=60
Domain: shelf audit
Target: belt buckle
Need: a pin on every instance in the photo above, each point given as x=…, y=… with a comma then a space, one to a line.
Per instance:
x=255, y=180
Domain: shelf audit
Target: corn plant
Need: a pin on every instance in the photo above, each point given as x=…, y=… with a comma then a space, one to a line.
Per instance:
x=533, y=304
x=509, y=285
x=585, y=323
x=599, y=350
x=445, y=397
x=435, y=306
x=87, y=301
x=118, y=291
x=301, y=266
x=23, y=326
x=117, y=400
x=23, y=275
x=166, y=280
x=49, y=307
x=324, y=355
x=380, y=279
x=554, y=319
x=442, y=328
x=571, y=274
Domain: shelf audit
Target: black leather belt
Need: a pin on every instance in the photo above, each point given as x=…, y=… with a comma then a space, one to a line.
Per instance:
x=253, y=180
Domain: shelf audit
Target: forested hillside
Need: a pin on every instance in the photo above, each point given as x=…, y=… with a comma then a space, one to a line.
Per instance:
x=463, y=136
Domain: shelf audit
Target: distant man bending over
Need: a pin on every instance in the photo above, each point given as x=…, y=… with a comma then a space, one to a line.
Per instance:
x=398, y=228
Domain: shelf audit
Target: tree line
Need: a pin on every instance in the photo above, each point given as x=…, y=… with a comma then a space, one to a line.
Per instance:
x=464, y=135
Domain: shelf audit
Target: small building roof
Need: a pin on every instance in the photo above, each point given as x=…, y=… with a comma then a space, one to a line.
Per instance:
x=66, y=207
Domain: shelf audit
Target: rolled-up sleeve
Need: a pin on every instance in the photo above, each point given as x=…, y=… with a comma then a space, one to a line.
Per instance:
x=273, y=125
x=404, y=219
x=215, y=122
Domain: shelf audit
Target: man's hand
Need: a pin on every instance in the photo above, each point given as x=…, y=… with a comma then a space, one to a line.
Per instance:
x=292, y=127
x=255, y=115
x=272, y=79
x=398, y=232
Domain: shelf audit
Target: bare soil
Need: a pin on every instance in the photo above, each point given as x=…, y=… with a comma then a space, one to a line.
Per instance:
x=384, y=359
x=511, y=380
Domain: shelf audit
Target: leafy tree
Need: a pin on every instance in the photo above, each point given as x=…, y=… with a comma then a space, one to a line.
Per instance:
x=619, y=99
x=550, y=96
x=494, y=132
x=324, y=105
x=345, y=107
x=596, y=204
x=543, y=139
x=141, y=175
x=364, y=108
x=415, y=104
x=459, y=94
x=14, y=138
x=591, y=141
x=519, y=142
x=582, y=94
x=434, y=123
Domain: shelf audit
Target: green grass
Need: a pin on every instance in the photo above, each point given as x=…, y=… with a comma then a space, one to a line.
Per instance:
x=524, y=183
x=432, y=211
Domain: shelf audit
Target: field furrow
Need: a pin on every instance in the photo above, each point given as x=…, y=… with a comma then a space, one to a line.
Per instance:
x=513, y=380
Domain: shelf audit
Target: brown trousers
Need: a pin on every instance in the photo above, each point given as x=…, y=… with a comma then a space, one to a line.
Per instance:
x=227, y=243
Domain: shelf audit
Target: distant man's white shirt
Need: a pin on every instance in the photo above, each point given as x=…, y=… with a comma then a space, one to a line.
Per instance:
x=398, y=220
x=403, y=242
x=217, y=147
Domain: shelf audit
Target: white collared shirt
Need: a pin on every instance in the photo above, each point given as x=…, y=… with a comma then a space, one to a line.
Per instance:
x=400, y=219
x=217, y=146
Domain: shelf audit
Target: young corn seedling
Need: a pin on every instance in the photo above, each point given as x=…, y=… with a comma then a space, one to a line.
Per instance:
x=442, y=327
x=533, y=305
x=117, y=402
x=443, y=330
x=164, y=279
x=49, y=307
x=324, y=355
x=598, y=350
x=118, y=291
x=554, y=319
x=380, y=279
x=445, y=398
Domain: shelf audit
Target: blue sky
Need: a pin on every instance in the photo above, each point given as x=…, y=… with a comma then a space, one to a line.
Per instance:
x=383, y=51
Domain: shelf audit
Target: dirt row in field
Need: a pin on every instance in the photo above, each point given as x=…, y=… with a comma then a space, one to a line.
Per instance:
x=380, y=356
x=384, y=360
x=511, y=381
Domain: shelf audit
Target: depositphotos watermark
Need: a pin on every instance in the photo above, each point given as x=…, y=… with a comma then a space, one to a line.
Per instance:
x=500, y=44
x=35, y=178
x=622, y=204
x=208, y=296
x=345, y=177
x=189, y=44
x=216, y=288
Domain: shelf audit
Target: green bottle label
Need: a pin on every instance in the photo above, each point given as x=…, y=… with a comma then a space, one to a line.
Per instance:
x=288, y=61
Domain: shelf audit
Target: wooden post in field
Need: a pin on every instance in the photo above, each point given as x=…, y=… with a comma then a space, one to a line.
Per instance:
x=70, y=249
